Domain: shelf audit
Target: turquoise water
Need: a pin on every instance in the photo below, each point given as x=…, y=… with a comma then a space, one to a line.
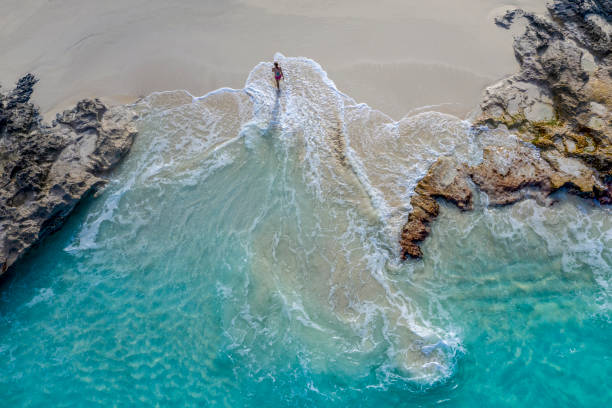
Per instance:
x=245, y=254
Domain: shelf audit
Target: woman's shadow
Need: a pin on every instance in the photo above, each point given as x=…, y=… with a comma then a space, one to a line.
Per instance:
x=275, y=126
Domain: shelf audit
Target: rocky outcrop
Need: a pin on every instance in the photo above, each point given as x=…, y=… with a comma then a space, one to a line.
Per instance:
x=559, y=105
x=562, y=97
x=509, y=172
x=446, y=180
x=45, y=170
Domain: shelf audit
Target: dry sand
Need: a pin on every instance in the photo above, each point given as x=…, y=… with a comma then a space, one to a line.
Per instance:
x=395, y=55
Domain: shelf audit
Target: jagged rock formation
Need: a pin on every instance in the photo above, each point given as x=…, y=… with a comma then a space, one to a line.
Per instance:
x=45, y=170
x=445, y=179
x=562, y=97
x=560, y=106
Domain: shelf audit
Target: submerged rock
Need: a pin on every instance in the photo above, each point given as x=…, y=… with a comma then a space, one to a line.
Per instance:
x=45, y=170
x=559, y=104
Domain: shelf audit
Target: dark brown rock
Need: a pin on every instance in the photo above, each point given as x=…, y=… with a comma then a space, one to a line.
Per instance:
x=444, y=180
x=508, y=173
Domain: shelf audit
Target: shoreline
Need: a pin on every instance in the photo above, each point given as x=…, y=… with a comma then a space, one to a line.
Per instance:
x=396, y=56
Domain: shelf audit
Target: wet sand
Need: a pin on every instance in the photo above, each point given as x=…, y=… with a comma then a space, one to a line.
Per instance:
x=395, y=55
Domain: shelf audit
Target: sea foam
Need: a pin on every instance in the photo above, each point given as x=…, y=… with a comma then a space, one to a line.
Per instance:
x=331, y=186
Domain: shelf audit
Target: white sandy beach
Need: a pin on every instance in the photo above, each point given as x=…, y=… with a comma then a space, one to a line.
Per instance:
x=395, y=55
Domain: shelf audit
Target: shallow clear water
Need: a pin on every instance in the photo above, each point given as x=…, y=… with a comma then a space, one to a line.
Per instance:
x=246, y=254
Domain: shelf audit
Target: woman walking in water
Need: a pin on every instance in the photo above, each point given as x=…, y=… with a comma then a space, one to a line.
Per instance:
x=278, y=74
